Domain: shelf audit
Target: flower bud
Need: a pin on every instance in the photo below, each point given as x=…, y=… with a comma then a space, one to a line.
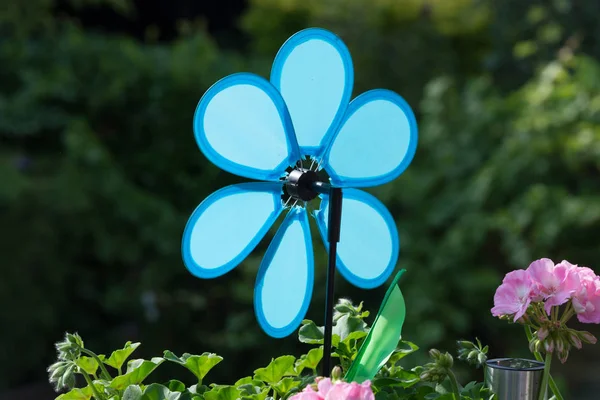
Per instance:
x=445, y=361
x=534, y=344
x=560, y=345
x=435, y=354
x=472, y=355
x=563, y=355
x=549, y=345
x=336, y=373
x=574, y=340
x=481, y=358
x=425, y=376
x=587, y=337
x=465, y=344
x=542, y=333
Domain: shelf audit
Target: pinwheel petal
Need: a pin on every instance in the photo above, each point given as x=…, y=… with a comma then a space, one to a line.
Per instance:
x=368, y=249
x=228, y=225
x=375, y=143
x=285, y=279
x=243, y=126
x=314, y=74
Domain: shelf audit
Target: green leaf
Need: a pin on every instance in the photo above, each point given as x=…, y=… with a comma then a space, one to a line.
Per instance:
x=198, y=389
x=285, y=385
x=118, y=357
x=401, y=378
x=311, y=359
x=348, y=324
x=224, y=393
x=133, y=392
x=243, y=381
x=88, y=364
x=156, y=391
x=198, y=365
x=276, y=370
x=249, y=380
x=310, y=333
x=175, y=386
x=250, y=391
x=354, y=336
x=402, y=351
x=137, y=371
x=77, y=394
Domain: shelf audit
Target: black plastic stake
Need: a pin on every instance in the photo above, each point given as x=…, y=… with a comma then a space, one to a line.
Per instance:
x=333, y=237
x=303, y=184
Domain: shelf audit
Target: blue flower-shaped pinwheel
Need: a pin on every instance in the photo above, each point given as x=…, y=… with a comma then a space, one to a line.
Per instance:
x=258, y=129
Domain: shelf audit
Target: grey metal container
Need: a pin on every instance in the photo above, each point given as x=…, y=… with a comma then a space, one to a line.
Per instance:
x=514, y=378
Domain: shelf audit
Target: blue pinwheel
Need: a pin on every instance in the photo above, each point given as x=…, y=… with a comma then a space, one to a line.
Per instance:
x=265, y=130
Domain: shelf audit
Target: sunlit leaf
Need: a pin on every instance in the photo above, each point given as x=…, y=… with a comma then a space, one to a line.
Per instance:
x=276, y=370
x=137, y=371
x=198, y=365
x=118, y=357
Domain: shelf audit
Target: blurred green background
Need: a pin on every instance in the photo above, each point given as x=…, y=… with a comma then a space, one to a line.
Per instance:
x=99, y=169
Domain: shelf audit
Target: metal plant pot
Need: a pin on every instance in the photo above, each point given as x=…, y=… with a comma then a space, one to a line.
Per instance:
x=514, y=378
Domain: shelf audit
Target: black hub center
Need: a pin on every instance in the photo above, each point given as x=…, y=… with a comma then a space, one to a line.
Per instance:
x=302, y=184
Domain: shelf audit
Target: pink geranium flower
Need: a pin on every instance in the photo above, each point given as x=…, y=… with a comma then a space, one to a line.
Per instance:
x=307, y=394
x=586, y=300
x=514, y=295
x=554, y=284
x=328, y=390
x=350, y=391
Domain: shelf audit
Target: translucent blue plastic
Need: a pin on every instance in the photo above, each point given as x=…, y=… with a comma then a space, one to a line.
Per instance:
x=285, y=279
x=314, y=74
x=368, y=248
x=243, y=126
x=375, y=143
x=228, y=225
x=256, y=128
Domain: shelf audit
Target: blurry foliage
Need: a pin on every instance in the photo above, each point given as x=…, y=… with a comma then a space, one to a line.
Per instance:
x=99, y=169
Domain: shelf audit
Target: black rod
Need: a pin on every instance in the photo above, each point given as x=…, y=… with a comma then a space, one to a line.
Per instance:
x=333, y=237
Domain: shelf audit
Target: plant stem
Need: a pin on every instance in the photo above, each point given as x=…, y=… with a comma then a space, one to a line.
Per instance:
x=104, y=373
x=546, y=376
x=454, y=384
x=569, y=311
x=88, y=380
x=539, y=357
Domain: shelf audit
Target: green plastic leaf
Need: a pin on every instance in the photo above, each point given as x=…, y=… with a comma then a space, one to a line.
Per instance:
x=88, y=364
x=137, y=371
x=383, y=336
x=118, y=357
x=133, y=392
x=276, y=370
x=224, y=393
x=156, y=391
x=198, y=365
x=77, y=394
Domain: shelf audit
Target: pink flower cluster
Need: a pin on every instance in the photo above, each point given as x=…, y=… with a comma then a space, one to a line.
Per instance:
x=554, y=285
x=328, y=390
